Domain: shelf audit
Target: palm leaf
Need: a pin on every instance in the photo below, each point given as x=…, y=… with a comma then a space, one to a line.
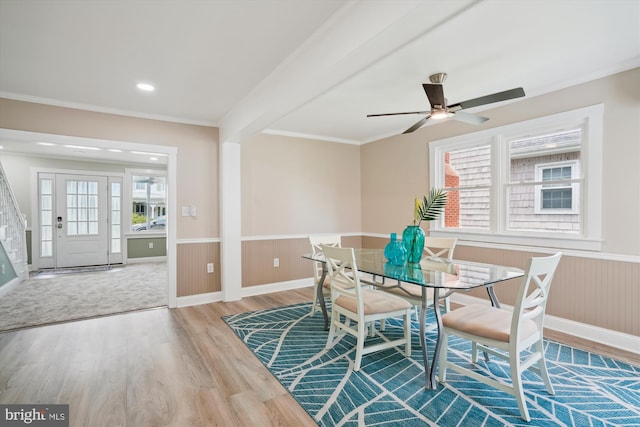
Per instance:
x=433, y=205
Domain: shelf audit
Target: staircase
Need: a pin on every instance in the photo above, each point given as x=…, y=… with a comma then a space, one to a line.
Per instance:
x=13, y=239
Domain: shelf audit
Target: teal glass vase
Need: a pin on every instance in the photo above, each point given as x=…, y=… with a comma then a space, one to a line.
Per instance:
x=413, y=241
x=395, y=251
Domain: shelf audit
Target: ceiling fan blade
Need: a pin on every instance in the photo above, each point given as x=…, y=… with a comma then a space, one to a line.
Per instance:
x=435, y=93
x=469, y=118
x=397, y=114
x=489, y=99
x=417, y=125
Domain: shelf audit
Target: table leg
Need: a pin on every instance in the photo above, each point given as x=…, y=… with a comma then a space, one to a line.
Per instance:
x=430, y=368
x=493, y=297
x=423, y=341
x=434, y=362
x=320, y=297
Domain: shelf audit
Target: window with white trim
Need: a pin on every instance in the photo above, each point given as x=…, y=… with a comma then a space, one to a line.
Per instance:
x=535, y=182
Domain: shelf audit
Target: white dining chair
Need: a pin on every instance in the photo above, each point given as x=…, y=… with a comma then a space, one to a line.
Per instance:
x=354, y=302
x=316, y=242
x=511, y=333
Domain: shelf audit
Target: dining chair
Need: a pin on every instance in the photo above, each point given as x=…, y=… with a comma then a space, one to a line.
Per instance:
x=440, y=247
x=316, y=241
x=353, y=301
x=511, y=333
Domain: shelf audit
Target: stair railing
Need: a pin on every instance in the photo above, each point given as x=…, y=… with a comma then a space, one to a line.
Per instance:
x=13, y=228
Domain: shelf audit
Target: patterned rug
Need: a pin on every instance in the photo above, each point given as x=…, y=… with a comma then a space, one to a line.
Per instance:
x=591, y=390
x=51, y=298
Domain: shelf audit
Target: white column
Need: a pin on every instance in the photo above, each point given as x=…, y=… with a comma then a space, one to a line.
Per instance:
x=230, y=221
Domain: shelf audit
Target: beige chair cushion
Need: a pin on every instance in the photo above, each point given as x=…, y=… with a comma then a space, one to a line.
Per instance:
x=373, y=302
x=487, y=322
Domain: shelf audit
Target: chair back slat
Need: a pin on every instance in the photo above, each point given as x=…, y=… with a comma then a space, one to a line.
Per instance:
x=343, y=271
x=316, y=242
x=441, y=247
x=534, y=292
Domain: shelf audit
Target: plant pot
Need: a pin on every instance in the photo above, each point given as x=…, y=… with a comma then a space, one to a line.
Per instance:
x=413, y=241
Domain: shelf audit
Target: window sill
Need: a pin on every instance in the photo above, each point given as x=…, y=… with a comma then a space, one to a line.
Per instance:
x=145, y=234
x=548, y=241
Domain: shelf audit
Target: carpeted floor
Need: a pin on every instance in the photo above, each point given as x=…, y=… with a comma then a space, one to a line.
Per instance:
x=591, y=390
x=51, y=298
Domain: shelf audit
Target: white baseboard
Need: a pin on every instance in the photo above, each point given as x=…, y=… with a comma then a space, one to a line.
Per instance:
x=276, y=287
x=608, y=337
x=199, y=299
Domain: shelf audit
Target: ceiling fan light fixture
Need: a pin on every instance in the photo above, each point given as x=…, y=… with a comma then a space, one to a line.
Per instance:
x=438, y=114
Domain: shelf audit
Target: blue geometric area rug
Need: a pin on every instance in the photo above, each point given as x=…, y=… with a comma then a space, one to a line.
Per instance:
x=591, y=390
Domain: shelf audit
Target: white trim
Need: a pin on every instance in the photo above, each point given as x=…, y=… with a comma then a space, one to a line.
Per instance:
x=98, y=109
x=251, y=291
x=297, y=236
x=608, y=337
x=522, y=248
x=201, y=240
x=199, y=299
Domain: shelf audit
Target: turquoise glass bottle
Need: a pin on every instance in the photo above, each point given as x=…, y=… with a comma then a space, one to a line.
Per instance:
x=395, y=251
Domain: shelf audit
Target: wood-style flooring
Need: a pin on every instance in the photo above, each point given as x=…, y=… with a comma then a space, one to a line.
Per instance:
x=180, y=367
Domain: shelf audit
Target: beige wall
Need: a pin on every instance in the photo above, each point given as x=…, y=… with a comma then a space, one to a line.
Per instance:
x=299, y=186
x=197, y=146
x=405, y=161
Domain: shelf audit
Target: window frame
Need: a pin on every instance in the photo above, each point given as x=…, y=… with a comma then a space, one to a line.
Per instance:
x=589, y=173
x=573, y=186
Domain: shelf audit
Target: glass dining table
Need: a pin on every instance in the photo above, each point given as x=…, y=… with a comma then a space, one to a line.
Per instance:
x=437, y=276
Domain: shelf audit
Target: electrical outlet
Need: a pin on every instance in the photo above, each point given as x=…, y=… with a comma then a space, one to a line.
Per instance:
x=210, y=267
x=150, y=245
x=276, y=262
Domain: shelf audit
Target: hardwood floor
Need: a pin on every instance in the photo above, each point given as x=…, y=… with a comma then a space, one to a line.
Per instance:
x=180, y=367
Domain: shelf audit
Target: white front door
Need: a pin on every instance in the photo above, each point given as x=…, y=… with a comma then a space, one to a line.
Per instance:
x=81, y=221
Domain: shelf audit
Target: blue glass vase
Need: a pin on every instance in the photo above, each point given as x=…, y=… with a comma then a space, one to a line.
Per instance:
x=413, y=241
x=395, y=251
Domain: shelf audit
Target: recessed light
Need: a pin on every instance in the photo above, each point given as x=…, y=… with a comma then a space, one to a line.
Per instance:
x=115, y=150
x=153, y=158
x=47, y=144
x=146, y=87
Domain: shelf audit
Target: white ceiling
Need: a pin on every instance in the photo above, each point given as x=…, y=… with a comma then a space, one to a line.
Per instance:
x=303, y=67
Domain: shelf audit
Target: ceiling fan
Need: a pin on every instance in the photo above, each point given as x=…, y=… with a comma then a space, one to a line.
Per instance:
x=439, y=109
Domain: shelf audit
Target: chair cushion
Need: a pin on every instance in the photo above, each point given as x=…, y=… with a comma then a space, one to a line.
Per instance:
x=487, y=322
x=374, y=302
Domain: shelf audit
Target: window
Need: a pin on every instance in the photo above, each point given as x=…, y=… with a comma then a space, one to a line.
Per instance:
x=82, y=208
x=149, y=202
x=46, y=217
x=559, y=195
x=525, y=183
